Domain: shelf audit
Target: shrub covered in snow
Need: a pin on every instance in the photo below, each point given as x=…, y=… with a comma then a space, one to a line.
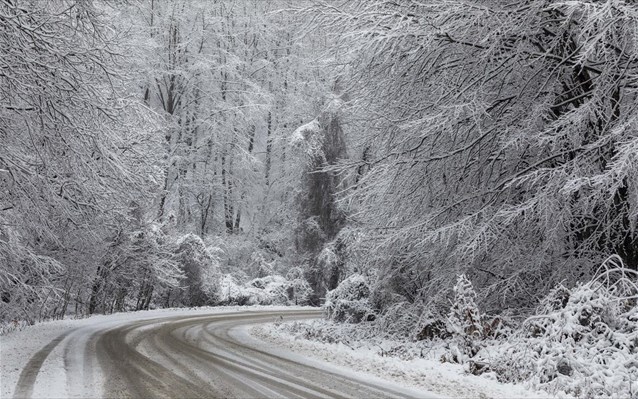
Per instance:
x=243, y=255
x=465, y=318
x=349, y=301
x=464, y=321
x=583, y=340
x=269, y=290
x=201, y=270
x=231, y=291
x=307, y=138
x=325, y=271
x=298, y=290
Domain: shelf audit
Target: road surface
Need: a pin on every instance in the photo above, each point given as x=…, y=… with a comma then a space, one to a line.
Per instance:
x=190, y=357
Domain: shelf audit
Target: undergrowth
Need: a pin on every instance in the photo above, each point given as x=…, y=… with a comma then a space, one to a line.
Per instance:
x=582, y=340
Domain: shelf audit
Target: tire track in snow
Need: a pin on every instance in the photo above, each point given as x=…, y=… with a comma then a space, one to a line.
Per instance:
x=190, y=356
x=26, y=381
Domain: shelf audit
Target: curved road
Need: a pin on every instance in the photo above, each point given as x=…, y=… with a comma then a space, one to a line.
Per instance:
x=190, y=357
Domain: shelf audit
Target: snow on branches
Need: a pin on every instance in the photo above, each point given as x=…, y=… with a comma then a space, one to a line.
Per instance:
x=349, y=301
x=583, y=340
x=493, y=135
x=464, y=317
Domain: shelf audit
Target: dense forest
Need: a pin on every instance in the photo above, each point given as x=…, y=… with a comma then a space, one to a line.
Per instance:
x=162, y=153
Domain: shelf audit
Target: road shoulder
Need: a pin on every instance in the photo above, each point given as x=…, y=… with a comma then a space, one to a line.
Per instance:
x=427, y=376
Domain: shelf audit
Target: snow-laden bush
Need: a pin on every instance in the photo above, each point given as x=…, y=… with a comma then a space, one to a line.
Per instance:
x=251, y=257
x=269, y=290
x=432, y=327
x=201, y=269
x=583, y=340
x=464, y=318
x=307, y=139
x=298, y=290
x=326, y=271
x=399, y=320
x=328, y=256
x=464, y=321
x=251, y=293
x=231, y=291
x=349, y=301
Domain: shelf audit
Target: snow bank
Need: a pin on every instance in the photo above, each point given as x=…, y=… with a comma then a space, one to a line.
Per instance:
x=421, y=371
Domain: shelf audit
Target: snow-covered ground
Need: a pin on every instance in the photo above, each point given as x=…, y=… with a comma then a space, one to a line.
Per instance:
x=444, y=379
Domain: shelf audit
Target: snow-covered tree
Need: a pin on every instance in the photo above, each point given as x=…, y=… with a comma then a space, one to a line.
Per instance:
x=299, y=291
x=464, y=317
x=492, y=135
x=201, y=271
x=318, y=145
x=77, y=151
x=229, y=80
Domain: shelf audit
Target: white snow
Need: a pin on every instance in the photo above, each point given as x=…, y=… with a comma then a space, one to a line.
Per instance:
x=304, y=132
x=330, y=361
x=269, y=290
x=427, y=376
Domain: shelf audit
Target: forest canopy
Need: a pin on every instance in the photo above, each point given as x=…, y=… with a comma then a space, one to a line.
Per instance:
x=158, y=153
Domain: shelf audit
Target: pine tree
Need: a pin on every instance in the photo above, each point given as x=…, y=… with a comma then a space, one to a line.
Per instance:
x=464, y=317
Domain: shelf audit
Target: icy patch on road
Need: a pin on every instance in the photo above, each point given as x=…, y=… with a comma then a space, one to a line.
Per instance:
x=444, y=379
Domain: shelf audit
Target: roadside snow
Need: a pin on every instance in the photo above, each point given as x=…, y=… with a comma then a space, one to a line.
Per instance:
x=257, y=335
x=16, y=349
x=444, y=379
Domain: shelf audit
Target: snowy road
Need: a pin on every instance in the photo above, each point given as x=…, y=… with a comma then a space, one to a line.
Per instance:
x=186, y=356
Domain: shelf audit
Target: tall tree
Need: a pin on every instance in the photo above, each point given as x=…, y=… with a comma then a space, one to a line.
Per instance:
x=72, y=158
x=499, y=140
